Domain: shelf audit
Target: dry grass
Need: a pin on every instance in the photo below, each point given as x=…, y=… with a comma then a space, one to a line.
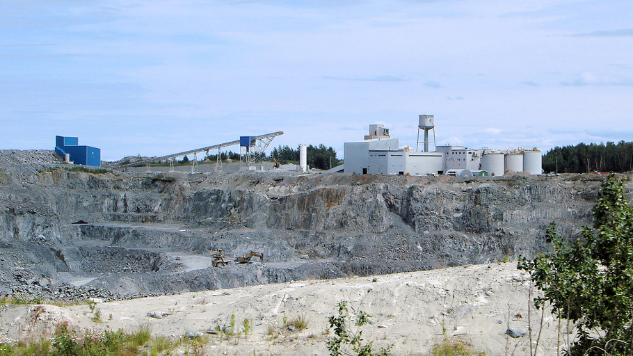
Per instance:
x=453, y=347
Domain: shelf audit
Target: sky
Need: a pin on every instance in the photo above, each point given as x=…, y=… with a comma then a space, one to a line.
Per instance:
x=164, y=76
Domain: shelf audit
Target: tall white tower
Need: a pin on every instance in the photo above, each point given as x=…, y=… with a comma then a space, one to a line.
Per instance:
x=303, y=158
x=427, y=123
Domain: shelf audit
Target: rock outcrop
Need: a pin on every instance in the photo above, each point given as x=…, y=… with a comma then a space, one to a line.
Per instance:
x=142, y=234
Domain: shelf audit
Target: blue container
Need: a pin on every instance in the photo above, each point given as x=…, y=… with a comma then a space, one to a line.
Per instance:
x=245, y=141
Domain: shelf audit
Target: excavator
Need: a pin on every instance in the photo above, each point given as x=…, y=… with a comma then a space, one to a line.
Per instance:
x=247, y=258
x=218, y=258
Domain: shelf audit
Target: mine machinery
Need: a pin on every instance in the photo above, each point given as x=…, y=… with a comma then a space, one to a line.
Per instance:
x=218, y=258
x=247, y=258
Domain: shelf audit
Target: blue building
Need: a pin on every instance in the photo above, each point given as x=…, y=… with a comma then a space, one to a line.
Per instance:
x=86, y=155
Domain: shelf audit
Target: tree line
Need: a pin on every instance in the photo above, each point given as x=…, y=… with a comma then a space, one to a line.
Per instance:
x=582, y=158
x=320, y=157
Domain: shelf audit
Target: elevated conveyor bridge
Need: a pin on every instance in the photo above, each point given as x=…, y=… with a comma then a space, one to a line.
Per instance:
x=258, y=145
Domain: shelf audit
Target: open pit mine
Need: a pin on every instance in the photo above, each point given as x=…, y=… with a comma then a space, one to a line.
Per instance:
x=119, y=235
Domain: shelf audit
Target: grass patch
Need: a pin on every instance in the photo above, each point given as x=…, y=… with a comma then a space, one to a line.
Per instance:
x=162, y=344
x=299, y=323
x=74, y=168
x=454, y=347
x=20, y=299
x=96, y=316
x=162, y=178
x=68, y=343
x=141, y=336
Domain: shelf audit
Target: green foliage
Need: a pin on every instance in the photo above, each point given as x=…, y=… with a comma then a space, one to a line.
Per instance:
x=91, y=305
x=162, y=178
x=23, y=349
x=68, y=343
x=285, y=154
x=584, y=158
x=20, y=299
x=97, y=316
x=247, y=327
x=319, y=157
x=227, y=331
x=161, y=344
x=224, y=156
x=78, y=168
x=299, y=323
x=590, y=281
x=345, y=339
x=450, y=347
x=141, y=336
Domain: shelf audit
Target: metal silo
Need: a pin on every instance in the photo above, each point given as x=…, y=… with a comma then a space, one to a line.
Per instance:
x=514, y=161
x=493, y=163
x=533, y=161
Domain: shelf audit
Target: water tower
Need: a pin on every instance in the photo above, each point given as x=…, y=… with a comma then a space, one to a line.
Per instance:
x=427, y=122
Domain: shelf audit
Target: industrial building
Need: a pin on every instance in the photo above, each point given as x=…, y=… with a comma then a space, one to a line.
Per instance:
x=68, y=147
x=378, y=153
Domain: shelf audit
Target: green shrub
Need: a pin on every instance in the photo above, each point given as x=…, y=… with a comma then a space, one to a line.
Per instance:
x=345, y=339
x=299, y=323
x=589, y=281
x=141, y=336
x=449, y=347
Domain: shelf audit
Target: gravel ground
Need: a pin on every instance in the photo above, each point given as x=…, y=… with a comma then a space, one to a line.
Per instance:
x=410, y=311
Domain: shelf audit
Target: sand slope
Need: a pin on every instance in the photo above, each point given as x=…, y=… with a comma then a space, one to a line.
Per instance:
x=411, y=311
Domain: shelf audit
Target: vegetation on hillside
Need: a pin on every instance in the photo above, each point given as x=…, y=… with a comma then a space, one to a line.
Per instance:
x=584, y=158
x=589, y=281
x=77, y=168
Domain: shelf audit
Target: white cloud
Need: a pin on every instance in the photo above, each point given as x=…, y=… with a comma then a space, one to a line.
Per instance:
x=589, y=78
x=207, y=71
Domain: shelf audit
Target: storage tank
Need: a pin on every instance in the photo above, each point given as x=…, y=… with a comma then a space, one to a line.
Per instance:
x=427, y=122
x=533, y=162
x=514, y=161
x=303, y=158
x=494, y=163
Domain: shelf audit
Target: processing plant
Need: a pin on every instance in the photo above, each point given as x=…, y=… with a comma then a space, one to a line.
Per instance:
x=378, y=153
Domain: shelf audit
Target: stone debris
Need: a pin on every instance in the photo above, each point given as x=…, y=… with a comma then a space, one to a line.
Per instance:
x=158, y=314
x=515, y=333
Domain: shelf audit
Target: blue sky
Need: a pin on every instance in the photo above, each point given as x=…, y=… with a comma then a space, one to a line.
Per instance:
x=159, y=77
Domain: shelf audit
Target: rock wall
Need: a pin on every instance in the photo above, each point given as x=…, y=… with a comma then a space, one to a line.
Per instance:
x=318, y=226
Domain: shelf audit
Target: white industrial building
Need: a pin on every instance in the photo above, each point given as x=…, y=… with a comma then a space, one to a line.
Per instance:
x=378, y=153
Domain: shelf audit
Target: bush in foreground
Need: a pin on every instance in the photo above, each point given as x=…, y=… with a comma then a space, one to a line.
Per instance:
x=590, y=281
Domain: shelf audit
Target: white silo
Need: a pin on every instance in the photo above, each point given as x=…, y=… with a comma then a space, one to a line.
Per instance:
x=533, y=161
x=514, y=161
x=493, y=163
x=303, y=158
